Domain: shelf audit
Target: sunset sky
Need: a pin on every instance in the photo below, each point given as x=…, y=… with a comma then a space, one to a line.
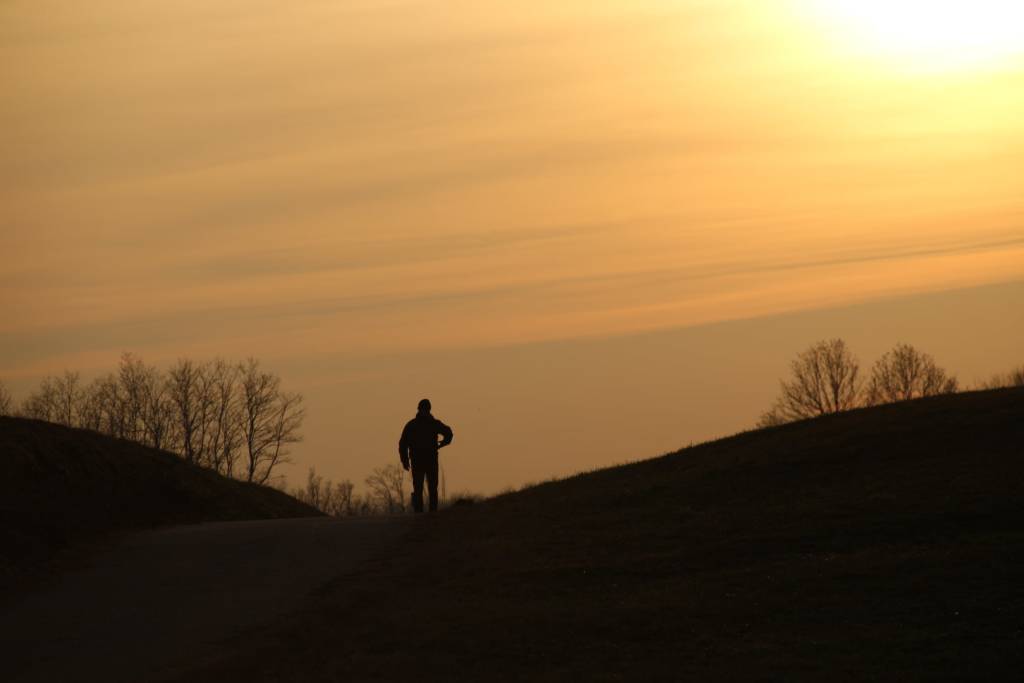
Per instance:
x=591, y=231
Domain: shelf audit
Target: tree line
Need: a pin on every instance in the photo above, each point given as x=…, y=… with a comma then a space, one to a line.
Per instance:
x=826, y=378
x=234, y=418
x=385, y=495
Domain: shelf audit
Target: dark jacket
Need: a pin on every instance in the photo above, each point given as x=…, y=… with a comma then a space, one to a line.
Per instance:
x=420, y=436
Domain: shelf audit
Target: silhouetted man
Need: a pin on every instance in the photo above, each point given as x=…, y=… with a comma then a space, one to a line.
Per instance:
x=418, y=447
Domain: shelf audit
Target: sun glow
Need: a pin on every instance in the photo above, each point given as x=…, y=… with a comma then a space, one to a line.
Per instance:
x=934, y=34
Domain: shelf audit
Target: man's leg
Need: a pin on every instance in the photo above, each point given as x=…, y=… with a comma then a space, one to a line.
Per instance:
x=417, y=484
x=432, y=482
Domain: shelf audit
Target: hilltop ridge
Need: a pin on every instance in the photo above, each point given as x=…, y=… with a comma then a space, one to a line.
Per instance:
x=883, y=543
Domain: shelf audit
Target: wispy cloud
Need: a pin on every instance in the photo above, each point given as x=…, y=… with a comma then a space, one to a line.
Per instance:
x=226, y=174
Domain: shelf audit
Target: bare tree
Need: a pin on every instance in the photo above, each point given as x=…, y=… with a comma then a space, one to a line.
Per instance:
x=207, y=436
x=6, y=402
x=258, y=392
x=223, y=431
x=158, y=412
x=906, y=373
x=147, y=409
x=343, y=499
x=824, y=381
x=271, y=420
x=1014, y=378
x=387, y=488
x=330, y=498
x=90, y=414
x=57, y=400
x=68, y=395
x=41, y=404
x=103, y=407
x=186, y=382
x=134, y=378
x=288, y=417
x=313, y=492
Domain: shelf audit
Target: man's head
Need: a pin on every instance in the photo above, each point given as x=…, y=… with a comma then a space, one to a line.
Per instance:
x=424, y=406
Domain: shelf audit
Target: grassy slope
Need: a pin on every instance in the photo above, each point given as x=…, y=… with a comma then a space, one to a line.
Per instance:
x=59, y=486
x=884, y=543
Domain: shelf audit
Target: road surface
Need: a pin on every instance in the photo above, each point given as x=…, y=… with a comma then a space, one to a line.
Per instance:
x=163, y=602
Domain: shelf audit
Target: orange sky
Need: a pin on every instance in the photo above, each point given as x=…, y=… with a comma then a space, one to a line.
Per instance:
x=334, y=187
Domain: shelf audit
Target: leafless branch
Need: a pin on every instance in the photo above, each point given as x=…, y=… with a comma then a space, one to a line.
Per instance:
x=906, y=373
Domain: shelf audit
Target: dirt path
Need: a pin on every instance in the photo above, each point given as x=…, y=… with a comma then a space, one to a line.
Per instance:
x=162, y=602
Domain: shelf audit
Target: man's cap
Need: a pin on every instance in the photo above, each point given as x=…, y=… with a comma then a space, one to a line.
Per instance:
x=424, y=405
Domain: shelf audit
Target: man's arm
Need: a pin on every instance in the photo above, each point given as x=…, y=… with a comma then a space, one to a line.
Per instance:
x=446, y=434
x=403, y=447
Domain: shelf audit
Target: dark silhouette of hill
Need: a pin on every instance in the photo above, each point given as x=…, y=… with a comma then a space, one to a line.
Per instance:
x=60, y=486
x=883, y=543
